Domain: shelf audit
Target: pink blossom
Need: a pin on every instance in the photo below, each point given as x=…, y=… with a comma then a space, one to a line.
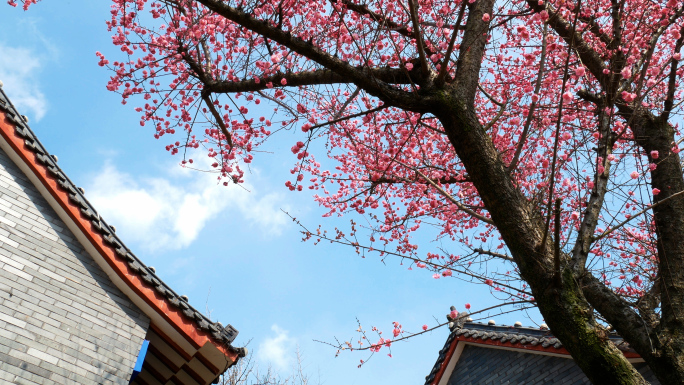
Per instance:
x=575, y=215
x=655, y=154
x=580, y=71
x=283, y=81
x=447, y=273
x=626, y=72
x=634, y=175
x=652, y=166
x=409, y=66
x=467, y=306
x=567, y=97
x=436, y=276
x=677, y=56
x=425, y=327
x=453, y=314
x=628, y=97
x=486, y=17
x=656, y=191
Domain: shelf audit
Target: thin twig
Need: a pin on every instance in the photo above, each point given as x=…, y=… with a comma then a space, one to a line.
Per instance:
x=607, y=232
x=454, y=35
x=419, y=38
x=217, y=117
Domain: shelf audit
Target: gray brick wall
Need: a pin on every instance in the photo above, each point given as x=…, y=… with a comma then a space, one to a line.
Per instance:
x=488, y=366
x=61, y=319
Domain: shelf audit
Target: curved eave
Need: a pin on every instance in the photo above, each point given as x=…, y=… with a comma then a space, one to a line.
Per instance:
x=159, y=308
x=451, y=352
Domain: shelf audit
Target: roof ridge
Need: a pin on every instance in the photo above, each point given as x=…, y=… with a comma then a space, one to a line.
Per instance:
x=224, y=335
x=497, y=335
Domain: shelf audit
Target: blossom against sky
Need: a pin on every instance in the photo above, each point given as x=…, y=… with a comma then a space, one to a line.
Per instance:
x=233, y=252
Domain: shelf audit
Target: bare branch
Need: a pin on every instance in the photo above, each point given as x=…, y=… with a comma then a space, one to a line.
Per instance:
x=450, y=49
x=497, y=117
x=419, y=38
x=217, y=117
x=530, y=114
x=592, y=213
x=376, y=109
x=590, y=58
x=672, y=82
x=494, y=254
x=609, y=231
x=450, y=197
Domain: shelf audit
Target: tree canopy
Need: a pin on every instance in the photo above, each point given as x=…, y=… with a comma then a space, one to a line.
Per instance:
x=540, y=138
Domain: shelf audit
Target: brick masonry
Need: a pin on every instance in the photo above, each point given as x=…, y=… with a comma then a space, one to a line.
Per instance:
x=481, y=365
x=62, y=321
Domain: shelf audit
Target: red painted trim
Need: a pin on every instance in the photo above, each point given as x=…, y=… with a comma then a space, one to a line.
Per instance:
x=490, y=342
x=160, y=304
x=445, y=363
x=537, y=348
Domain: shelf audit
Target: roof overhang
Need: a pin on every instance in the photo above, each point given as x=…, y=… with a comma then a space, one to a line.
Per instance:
x=192, y=336
x=455, y=344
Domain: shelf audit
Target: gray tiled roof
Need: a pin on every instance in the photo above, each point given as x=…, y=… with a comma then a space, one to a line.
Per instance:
x=224, y=335
x=480, y=364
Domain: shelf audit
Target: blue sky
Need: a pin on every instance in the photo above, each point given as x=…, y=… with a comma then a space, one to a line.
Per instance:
x=231, y=250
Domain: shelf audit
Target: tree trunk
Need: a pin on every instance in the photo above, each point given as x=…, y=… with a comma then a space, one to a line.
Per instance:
x=563, y=305
x=666, y=357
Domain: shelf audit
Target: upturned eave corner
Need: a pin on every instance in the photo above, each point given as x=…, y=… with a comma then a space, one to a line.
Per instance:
x=168, y=310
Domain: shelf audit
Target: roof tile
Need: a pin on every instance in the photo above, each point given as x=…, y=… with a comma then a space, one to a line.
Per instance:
x=223, y=335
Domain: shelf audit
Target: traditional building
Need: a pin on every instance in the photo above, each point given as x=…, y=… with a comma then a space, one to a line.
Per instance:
x=478, y=354
x=76, y=305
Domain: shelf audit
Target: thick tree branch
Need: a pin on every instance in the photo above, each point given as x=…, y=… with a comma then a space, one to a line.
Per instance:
x=467, y=77
x=618, y=313
x=306, y=78
x=360, y=77
x=672, y=81
x=592, y=213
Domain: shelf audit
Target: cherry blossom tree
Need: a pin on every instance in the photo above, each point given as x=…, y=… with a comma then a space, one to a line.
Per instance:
x=538, y=138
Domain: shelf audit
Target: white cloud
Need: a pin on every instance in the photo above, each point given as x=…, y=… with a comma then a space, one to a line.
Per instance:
x=278, y=351
x=18, y=71
x=169, y=213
